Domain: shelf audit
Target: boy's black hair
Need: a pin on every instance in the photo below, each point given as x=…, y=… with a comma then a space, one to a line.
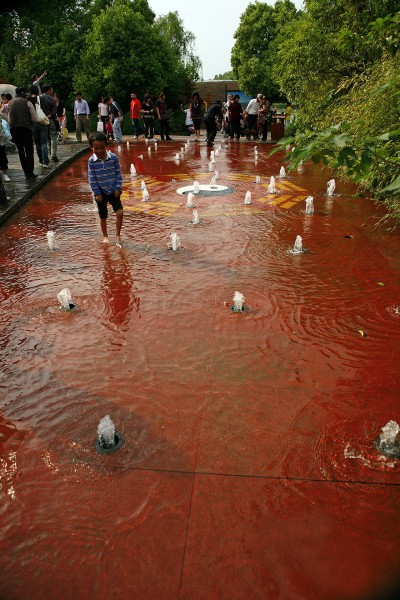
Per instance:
x=8, y=97
x=45, y=88
x=34, y=90
x=78, y=94
x=97, y=136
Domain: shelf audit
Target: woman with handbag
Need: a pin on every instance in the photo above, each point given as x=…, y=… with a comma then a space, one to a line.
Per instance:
x=40, y=130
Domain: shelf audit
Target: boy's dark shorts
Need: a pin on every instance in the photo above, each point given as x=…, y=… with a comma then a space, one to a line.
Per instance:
x=102, y=206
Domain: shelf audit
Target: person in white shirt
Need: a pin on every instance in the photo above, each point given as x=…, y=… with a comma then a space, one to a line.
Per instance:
x=81, y=116
x=251, y=116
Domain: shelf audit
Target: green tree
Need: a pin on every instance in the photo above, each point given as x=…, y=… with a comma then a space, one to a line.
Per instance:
x=224, y=76
x=182, y=42
x=257, y=40
x=124, y=51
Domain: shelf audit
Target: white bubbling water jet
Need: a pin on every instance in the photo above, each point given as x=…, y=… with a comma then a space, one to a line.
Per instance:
x=309, y=205
x=174, y=242
x=272, y=188
x=247, y=199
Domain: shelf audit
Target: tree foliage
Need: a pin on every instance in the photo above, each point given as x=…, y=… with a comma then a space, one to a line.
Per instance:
x=100, y=46
x=257, y=40
x=357, y=130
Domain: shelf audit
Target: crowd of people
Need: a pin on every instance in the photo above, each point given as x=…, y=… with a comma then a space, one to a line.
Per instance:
x=38, y=116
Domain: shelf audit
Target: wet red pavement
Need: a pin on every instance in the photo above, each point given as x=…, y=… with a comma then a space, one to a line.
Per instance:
x=248, y=469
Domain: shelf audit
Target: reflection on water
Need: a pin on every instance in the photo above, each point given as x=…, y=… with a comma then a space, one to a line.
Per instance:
x=290, y=390
x=117, y=288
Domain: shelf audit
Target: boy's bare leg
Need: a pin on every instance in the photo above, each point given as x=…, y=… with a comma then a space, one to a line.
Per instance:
x=103, y=225
x=120, y=215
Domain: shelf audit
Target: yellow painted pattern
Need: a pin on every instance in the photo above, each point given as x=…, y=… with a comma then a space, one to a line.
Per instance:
x=287, y=196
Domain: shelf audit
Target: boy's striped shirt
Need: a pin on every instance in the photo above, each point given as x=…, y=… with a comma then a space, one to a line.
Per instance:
x=104, y=175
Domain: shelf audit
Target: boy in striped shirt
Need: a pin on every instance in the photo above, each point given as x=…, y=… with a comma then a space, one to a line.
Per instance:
x=105, y=180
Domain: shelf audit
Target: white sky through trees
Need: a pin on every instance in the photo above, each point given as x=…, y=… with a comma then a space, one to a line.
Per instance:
x=214, y=23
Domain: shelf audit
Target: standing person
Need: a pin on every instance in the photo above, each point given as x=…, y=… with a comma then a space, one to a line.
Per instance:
x=5, y=136
x=211, y=117
x=4, y=108
x=40, y=132
x=116, y=112
x=22, y=115
x=251, y=114
x=196, y=104
x=50, y=108
x=235, y=116
x=263, y=118
x=81, y=116
x=161, y=108
x=227, y=124
x=109, y=130
x=134, y=113
x=188, y=119
x=148, y=116
x=36, y=80
x=105, y=180
x=61, y=117
x=103, y=111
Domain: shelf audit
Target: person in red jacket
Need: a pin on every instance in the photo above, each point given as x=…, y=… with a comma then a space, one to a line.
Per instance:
x=135, y=109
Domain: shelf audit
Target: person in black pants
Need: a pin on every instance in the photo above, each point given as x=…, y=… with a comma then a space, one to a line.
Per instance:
x=22, y=115
x=210, y=119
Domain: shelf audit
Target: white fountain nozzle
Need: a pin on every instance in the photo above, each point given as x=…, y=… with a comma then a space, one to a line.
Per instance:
x=189, y=202
x=238, y=301
x=133, y=170
x=175, y=241
x=282, y=173
x=210, y=165
x=177, y=156
x=65, y=299
x=51, y=240
x=145, y=195
x=309, y=205
x=143, y=185
x=195, y=219
x=106, y=432
x=331, y=187
x=298, y=245
x=300, y=167
x=258, y=179
x=196, y=187
x=387, y=442
x=216, y=174
x=272, y=187
x=247, y=199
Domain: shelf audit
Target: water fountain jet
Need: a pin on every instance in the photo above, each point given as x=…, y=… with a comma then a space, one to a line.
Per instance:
x=387, y=442
x=331, y=187
x=247, y=199
x=65, y=299
x=238, y=303
x=195, y=218
x=309, y=205
x=50, y=240
x=175, y=242
x=272, y=188
x=108, y=440
x=189, y=202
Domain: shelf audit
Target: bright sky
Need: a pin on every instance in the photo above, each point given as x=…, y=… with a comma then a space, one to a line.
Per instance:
x=213, y=22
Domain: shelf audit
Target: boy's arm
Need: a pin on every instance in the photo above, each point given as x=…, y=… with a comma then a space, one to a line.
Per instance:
x=93, y=179
x=118, y=174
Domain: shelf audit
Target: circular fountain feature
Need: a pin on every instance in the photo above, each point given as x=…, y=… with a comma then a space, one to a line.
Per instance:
x=207, y=190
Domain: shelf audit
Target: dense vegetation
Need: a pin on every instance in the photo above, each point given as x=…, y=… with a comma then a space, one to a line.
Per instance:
x=337, y=61
x=99, y=47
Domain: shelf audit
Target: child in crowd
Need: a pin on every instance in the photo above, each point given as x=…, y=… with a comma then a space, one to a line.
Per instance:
x=108, y=129
x=105, y=180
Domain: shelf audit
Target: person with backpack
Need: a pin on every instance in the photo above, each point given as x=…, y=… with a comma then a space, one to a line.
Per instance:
x=22, y=116
x=40, y=130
